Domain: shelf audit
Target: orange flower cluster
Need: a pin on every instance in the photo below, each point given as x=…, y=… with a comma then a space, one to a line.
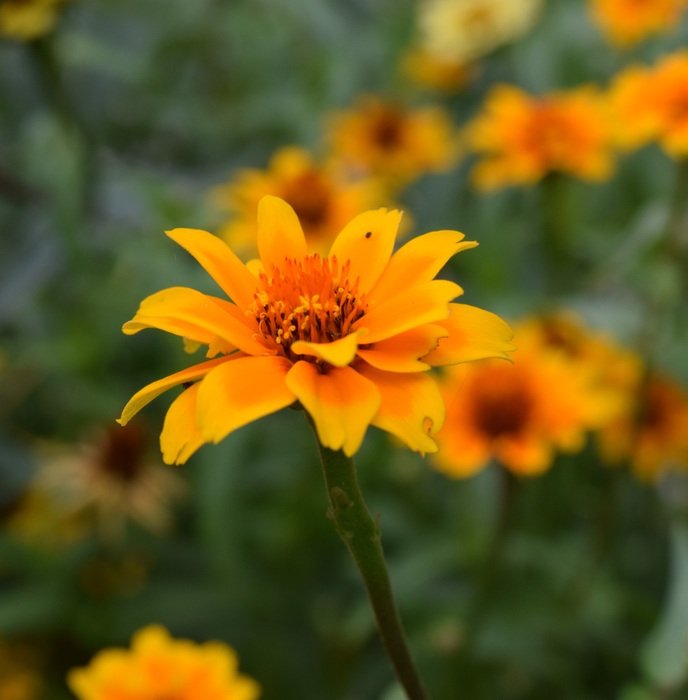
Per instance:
x=650, y=104
x=626, y=22
x=521, y=138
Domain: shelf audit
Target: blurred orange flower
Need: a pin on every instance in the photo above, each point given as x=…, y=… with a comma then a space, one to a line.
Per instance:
x=521, y=138
x=389, y=140
x=28, y=19
x=158, y=666
x=518, y=414
x=18, y=678
x=323, y=196
x=626, y=22
x=350, y=336
x=651, y=104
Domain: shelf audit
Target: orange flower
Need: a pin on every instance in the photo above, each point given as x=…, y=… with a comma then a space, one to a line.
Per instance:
x=651, y=429
x=626, y=22
x=161, y=667
x=518, y=414
x=350, y=336
x=651, y=104
x=396, y=143
x=323, y=197
x=523, y=138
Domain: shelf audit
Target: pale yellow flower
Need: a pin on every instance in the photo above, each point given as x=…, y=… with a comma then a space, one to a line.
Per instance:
x=25, y=20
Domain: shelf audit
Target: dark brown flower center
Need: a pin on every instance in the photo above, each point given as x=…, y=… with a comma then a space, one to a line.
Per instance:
x=501, y=404
x=122, y=452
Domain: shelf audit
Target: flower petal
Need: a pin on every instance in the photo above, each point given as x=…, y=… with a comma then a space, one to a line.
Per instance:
x=401, y=353
x=180, y=436
x=149, y=392
x=414, y=306
x=366, y=243
x=280, y=234
x=192, y=314
x=411, y=409
x=474, y=334
x=240, y=392
x=341, y=402
x=338, y=353
x=418, y=261
x=219, y=261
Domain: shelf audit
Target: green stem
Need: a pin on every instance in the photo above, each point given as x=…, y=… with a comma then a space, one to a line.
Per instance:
x=361, y=534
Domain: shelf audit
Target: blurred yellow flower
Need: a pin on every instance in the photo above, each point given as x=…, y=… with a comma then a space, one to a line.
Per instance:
x=651, y=429
x=429, y=71
x=462, y=30
x=651, y=104
x=350, y=336
x=394, y=142
x=28, y=19
x=18, y=679
x=323, y=197
x=519, y=414
x=626, y=22
x=522, y=138
x=159, y=667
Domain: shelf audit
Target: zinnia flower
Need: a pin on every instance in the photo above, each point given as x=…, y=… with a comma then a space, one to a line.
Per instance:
x=158, y=666
x=651, y=104
x=522, y=138
x=389, y=140
x=520, y=415
x=626, y=22
x=323, y=196
x=350, y=336
x=28, y=19
x=463, y=30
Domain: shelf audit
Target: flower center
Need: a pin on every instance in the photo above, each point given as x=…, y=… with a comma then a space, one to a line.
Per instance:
x=502, y=404
x=387, y=131
x=311, y=299
x=122, y=453
x=309, y=195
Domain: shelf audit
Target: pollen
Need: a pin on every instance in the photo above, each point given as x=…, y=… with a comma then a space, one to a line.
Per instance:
x=312, y=299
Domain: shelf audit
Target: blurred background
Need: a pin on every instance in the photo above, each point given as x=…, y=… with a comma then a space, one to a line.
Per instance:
x=553, y=563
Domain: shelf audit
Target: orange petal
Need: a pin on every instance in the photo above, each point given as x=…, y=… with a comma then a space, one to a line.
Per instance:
x=527, y=455
x=149, y=392
x=418, y=261
x=366, y=243
x=280, y=234
x=401, y=353
x=338, y=353
x=180, y=436
x=414, y=306
x=412, y=407
x=240, y=392
x=192, y=314
x=219, y=261
x=474, y=334
x=341, y=402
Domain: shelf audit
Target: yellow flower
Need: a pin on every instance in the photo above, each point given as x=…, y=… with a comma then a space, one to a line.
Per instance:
x=323, y=197
x=433, y=73
x=159, y=666
x=397, y=143
x=27, y=19
x=651, y=429
x=626, y=22
x=519, y=414
x=18, y=680
x=463, y=30
x=522, y=138
x=651, y=104
x=350, y=336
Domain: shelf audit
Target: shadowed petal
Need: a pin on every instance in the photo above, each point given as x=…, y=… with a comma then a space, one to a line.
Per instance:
x=280, y=234
x=401, y=353
x=338, y=353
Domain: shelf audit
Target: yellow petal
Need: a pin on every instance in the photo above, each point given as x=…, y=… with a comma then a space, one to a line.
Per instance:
x=418, y=261
x=149, y=392
x=401, y=353
x=474, y=334
x=180, y=436
x=367, y=242
x=219, y=261
x=280, y=234
x=192, y=314
x=341, y=402
x=240, y=392
x=414, y=306
x=338, y=353
x=412, y=407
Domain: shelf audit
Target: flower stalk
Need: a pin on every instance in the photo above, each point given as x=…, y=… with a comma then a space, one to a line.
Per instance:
x=360, y=532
